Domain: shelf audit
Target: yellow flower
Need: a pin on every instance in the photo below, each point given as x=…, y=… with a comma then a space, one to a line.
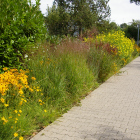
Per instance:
x=45, y=110
x=41, y=62
x=21, y=138
x=2, y=100
x=21, y=92
x=6, y=105
x=40, y=100
x=25, y=101
x=16, y=119
x=38, y=89
x=18, y=114
x=31, y=89
x=15, y=134
x=21, y=102
x=5, y=120
x=33, y=78
x=20, y=111
x=15, y=111
x=5, y=68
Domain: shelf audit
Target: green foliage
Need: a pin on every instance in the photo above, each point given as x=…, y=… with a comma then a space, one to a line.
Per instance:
x=137, y=2
x=57, y=21
x=53, y=39
x=131, y=31
x=102, y=63
x=136, y=51
x=18, y=94
x=102, y=9
x=117, y=39
x=123, y=26
x=61, y=3
x=62, y=76
x=78, y=76
x=75, y=16
x=21, y=23
x=106, y=26
x=108, y=52
x=82, y=16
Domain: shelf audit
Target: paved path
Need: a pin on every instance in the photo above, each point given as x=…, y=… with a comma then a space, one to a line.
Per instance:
x=111, y=112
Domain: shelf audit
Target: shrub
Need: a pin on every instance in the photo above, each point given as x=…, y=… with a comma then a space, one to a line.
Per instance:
x=21, y=23
x=114, y=43
x=118, y=40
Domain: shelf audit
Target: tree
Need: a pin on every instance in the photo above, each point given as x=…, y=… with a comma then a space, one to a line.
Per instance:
x=102, y=9
x=57, y=21
x=60, y=3
x=131, y=30
x=83, y=13
x=113, y=26
x=137, y=2
x=106, y=26
x=123, y=26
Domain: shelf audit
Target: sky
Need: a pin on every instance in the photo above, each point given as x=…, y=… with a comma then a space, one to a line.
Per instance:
x=122, y=11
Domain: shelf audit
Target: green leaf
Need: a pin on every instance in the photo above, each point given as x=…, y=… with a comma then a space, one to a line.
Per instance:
x=12, y=41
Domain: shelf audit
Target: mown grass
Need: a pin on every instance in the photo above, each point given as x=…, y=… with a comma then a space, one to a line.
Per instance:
x=56, y=78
